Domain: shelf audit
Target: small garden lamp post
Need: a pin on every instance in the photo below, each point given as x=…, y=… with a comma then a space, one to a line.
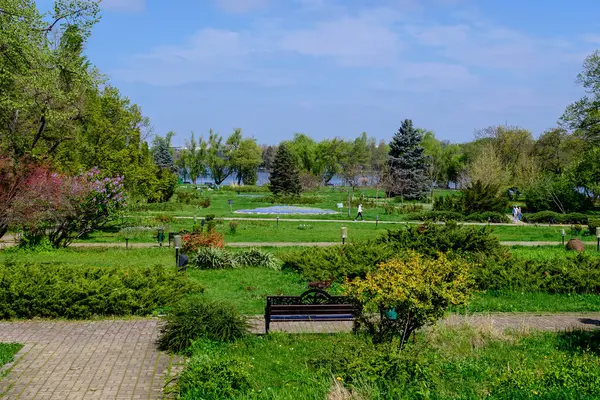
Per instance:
x=344, y=234
x=598, y=239
x=126, y=243
x=230, y=202
x=160, y=237
x=562, y=231
x=278, y=220
x=177, y=240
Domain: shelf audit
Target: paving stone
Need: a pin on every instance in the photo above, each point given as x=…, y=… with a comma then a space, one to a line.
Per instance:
x=83, y=360
x=118, y=359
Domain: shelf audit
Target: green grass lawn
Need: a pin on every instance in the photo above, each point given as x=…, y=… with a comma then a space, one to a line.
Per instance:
x=7, y=352
x=248, y=288
x=325, y=198
x=270, y=231
x=446, y=363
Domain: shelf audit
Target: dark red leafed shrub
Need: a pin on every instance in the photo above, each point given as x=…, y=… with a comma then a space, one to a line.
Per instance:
x=193, y=241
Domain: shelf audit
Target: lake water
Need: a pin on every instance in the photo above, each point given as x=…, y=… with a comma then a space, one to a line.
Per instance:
x=263, y=179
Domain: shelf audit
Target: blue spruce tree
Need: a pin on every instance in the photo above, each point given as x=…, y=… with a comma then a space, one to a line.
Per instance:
x=407, y=164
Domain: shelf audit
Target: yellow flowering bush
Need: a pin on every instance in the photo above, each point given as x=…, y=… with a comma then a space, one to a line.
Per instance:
x=403, y=295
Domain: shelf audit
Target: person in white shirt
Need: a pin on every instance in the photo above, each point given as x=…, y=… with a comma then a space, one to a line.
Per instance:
x=359, y=213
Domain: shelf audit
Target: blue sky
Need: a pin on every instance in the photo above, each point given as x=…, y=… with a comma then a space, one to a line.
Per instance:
x=340, y=67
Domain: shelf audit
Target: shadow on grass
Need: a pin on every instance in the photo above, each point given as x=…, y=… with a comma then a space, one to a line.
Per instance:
x=580, y=340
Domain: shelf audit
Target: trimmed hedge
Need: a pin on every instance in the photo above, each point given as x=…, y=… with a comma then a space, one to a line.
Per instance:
x=489, y=216
x=435, y=216
x=80, y=292
x=574, y=274
x=445, y=216
x=551, y=217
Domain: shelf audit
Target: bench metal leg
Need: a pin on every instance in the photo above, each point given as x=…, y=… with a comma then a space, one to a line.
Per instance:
x=267, y=323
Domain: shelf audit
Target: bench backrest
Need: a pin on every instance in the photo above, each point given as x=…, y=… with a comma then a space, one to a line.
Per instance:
x=312, y=302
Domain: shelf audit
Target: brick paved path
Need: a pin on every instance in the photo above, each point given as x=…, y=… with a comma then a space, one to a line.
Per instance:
x=109, y=359
x=117, y=359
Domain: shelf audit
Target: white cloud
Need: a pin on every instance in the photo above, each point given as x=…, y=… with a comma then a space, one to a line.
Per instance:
x=591, y=38
x=352, y=41
x=241, y=6
x=473, y=60
x=123, y=5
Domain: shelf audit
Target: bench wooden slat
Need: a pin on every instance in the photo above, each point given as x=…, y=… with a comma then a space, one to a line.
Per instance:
x=326, y=317
x=314, y=311
x=312, y=305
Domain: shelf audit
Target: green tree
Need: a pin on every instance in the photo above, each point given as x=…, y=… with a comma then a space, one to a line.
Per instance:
x=583, y=116
x=407, y=167
x=355, y=157
x=217, y=158
x=304, y=150
x=196, y=155
x=378, y=161
x=329, y=153
x=285, y=177
x=43, y=77
x=268, y=156
x=246, y=159
x=555, y=150
x=161, y=152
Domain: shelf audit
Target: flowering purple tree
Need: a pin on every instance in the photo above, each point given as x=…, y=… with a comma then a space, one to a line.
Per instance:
x=89, y=201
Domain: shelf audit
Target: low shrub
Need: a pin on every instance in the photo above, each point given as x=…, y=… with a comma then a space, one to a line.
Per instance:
x=321, y=263
x=448, y=203
x=195, y=318
x=201, y=202
x=575, y=218
x=187, y=196
x=489, y=216
x=218, y=258
x=435, y=216
x=410, y=208
x=429, y=239
x=165, y=219
x=576, y=230
x=135, y=232
x=213, y=258
x=245, y=188
x=389, y=209
x=573, y=274
x=401, y=296
x=233, y=226
x=304, y=227
x=157, y=207
x=255, y=257
x=593, y=224
x=79, y=291
x=551, y=217
x=194, y=241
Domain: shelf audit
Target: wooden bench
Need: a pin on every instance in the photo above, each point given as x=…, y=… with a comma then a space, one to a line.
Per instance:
x=312, y=305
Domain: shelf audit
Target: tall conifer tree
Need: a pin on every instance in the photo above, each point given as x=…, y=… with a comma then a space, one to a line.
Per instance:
x=407, y=164
x=285, y=178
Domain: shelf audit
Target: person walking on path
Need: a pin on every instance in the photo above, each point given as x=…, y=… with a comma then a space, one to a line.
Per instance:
x=359, y=213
